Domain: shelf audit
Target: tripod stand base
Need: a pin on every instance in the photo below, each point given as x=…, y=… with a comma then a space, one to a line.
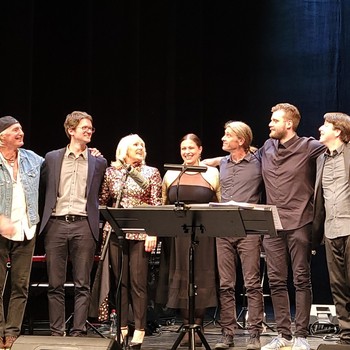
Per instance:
x=214, y=319
x=87, y=324
x=244, y=315
x=267, y=326
x=191, y=329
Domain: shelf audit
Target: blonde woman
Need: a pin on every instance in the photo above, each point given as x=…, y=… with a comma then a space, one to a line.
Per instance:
x=119, y=188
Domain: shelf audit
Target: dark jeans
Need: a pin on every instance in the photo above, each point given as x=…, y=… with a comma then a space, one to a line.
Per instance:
x=21, y=254
x=134, y=279
x=73, y=240
x=294, y=247
x=338, y=262
x=248, y=249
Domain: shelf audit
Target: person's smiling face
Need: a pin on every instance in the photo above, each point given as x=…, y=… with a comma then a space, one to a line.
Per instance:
x=190, y=152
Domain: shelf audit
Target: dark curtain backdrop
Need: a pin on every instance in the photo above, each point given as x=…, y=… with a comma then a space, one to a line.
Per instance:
x=165, y=68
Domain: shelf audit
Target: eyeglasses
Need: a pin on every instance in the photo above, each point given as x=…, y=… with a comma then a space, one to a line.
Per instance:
x=87, y=128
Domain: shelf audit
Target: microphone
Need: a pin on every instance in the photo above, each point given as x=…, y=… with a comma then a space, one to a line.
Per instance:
x=184, y=168
x=135, y=175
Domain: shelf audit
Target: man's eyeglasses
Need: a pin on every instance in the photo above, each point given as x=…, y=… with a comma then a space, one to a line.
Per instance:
x=87, y=128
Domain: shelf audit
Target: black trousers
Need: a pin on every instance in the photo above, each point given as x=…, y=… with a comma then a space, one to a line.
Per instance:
x=21, y=254
x=338, y=262
x=72, y=240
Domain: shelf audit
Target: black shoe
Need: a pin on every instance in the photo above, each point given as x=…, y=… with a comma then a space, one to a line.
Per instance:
x=134, y=346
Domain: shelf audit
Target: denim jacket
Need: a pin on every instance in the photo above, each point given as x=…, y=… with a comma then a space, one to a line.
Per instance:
x=29, y=168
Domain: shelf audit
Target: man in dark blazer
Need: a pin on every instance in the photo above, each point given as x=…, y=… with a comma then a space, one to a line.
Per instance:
x=71, y=180
x=331, y=223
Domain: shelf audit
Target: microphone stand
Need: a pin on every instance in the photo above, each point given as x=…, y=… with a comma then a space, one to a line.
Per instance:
x=120, y=258
x=116, y=205
x=179, y=205
x=191, y=328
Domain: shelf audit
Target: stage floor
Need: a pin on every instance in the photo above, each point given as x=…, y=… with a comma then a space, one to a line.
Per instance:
x=165, y=336
x=168, y=335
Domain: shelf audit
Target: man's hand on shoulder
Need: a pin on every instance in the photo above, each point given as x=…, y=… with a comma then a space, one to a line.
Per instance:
x=95, y=152
x=212, y=161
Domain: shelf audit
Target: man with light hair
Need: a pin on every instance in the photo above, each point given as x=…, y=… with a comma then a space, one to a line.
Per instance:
x=240, y=181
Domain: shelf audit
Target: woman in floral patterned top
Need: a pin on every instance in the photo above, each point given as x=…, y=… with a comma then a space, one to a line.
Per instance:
x=119, y=186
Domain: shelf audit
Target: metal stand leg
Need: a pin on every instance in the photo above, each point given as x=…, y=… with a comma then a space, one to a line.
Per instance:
x=214, y=319
x=191, y=328
x=118, y=303
x=119, y=294
x=8, y=269
x=69, y=322
x=243, y=312
x=95, y=329
x=87, y=323
x=264, y=272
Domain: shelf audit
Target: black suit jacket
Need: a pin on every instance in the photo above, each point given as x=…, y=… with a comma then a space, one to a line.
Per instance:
x=50, y=179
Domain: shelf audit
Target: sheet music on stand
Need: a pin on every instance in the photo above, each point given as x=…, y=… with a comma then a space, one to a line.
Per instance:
x=243, y=205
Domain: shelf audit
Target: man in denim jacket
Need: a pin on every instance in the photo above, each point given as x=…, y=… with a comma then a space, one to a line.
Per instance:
x=19, y=187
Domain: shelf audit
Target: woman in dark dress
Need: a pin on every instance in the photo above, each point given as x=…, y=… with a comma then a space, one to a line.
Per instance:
x=192, y=187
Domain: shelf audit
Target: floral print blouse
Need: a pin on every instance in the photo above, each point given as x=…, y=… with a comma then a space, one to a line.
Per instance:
x=132, y=195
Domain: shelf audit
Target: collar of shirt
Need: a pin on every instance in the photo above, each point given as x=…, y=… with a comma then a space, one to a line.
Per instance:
x=247, y=158
x=287, y=143
x=83, y=154
x=335, y=152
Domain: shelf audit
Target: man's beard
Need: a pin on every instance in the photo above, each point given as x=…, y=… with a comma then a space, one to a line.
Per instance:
x=278, y=135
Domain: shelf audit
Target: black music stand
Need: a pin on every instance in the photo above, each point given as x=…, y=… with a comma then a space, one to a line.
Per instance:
x=218, y=221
